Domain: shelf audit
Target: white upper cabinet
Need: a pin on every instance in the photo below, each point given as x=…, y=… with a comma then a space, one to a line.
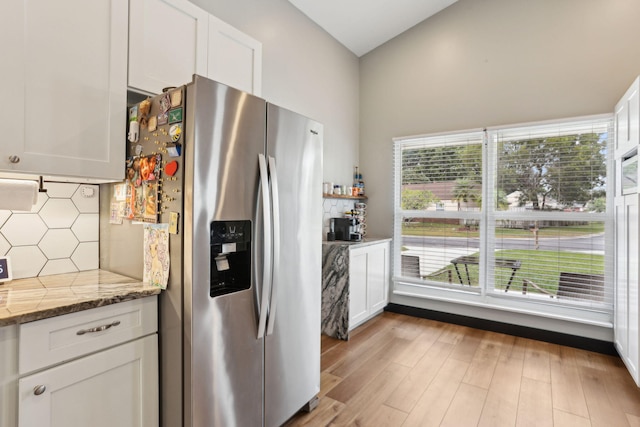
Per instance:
x=170, y=40
x=64, y=93
x=167, y=43
x=627, y=121
x=234, y=58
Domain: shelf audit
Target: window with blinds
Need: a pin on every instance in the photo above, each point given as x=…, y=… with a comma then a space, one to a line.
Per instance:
x=438, y=208
x=518, y=212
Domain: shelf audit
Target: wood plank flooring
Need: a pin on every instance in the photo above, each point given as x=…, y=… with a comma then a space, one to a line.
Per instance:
x=398, y=370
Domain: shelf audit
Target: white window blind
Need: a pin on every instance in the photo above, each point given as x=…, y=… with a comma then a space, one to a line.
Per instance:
x=438, y=207
x=519, y=212
x=550, y=212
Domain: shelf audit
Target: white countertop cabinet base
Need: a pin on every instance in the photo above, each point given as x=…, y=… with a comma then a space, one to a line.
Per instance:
x=368, y=282
x=115, y=387
x=104, y=376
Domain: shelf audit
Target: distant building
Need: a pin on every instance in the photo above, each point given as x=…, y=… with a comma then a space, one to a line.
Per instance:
x=445, y=192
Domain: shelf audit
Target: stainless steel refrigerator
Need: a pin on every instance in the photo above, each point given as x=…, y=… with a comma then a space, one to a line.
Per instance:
x=240, y=319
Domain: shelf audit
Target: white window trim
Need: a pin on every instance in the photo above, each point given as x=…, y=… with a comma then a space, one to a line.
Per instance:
x=403, y=286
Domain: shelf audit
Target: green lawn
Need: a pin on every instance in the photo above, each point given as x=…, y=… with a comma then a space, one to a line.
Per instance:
x=541, y=267
x=432, y=229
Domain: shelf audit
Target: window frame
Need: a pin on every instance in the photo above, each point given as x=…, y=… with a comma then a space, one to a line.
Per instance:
x=596, y=314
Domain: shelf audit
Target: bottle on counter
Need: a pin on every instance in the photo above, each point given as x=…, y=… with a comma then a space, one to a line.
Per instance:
x=358, y=182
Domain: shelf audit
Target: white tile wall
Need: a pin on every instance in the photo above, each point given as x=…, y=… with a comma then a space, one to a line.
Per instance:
x=334, y=208
x=59, y=235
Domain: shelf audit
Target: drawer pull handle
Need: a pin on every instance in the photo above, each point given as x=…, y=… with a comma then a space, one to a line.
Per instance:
x=39, y=389
x=98, y=328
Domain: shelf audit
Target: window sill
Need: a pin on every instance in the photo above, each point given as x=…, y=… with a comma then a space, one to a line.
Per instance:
x=591, y=316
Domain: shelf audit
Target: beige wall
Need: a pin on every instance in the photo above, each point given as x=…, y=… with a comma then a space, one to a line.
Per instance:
x=305, y=70
x=480, y=63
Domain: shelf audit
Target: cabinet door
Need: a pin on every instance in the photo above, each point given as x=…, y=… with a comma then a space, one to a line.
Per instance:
x=8, y=376
x=235, y=59
x=378, y=276
x=64, y=101
x=632, y=266
x=357, y=287
x=167, y=43
x=621, y=312
x=627, y=121
x=115, y=387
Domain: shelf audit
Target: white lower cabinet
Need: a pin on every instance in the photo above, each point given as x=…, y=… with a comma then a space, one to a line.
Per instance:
x=627, y=296
x=368, y=281
x=115, y=387
x=8, y=376
x=97, y=367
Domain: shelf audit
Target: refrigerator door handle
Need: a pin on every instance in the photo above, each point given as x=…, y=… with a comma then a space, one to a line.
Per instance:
x=267, y=251
x=276, y=244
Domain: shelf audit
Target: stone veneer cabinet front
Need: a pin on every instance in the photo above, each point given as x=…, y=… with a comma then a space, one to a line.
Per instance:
x=355, y=284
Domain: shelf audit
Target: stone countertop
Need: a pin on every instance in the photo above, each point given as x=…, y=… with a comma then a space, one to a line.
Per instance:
x=27, y=300
x=365, y=242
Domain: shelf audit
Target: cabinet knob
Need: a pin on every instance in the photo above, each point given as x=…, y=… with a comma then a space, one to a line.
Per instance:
x=14, y=159
x=39, y=389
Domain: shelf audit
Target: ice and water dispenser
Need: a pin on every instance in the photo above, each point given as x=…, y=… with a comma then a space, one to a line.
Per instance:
x=230, y=257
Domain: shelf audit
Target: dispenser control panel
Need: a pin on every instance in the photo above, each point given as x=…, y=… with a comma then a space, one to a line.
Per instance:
x=230, y=232
x=230, y=257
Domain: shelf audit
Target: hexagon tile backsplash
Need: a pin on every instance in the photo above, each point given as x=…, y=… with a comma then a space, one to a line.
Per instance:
x=59, y=235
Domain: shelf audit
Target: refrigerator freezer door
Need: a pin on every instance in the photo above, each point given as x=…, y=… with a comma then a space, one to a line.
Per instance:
x=224, y=361
x=292, y=351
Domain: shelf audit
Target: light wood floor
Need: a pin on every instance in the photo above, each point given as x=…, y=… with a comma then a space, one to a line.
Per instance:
x=399, y=370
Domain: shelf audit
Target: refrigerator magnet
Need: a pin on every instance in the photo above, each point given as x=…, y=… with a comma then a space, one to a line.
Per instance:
x=175, y=131
x=153, y=123
x=173, y=222
x=174, y=150
x=175, y=115
x=163, y=118
x=134, y=131
x=165, y=103
x=133, y=113
x=176, y=98
x=171, y=168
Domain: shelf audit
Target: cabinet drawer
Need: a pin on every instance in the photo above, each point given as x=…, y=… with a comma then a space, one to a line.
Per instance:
x=50, y=341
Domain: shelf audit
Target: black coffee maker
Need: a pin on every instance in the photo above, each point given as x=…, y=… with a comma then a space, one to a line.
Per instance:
x=347, y=229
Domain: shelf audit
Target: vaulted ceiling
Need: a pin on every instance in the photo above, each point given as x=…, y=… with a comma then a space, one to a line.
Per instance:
x=363, y=25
